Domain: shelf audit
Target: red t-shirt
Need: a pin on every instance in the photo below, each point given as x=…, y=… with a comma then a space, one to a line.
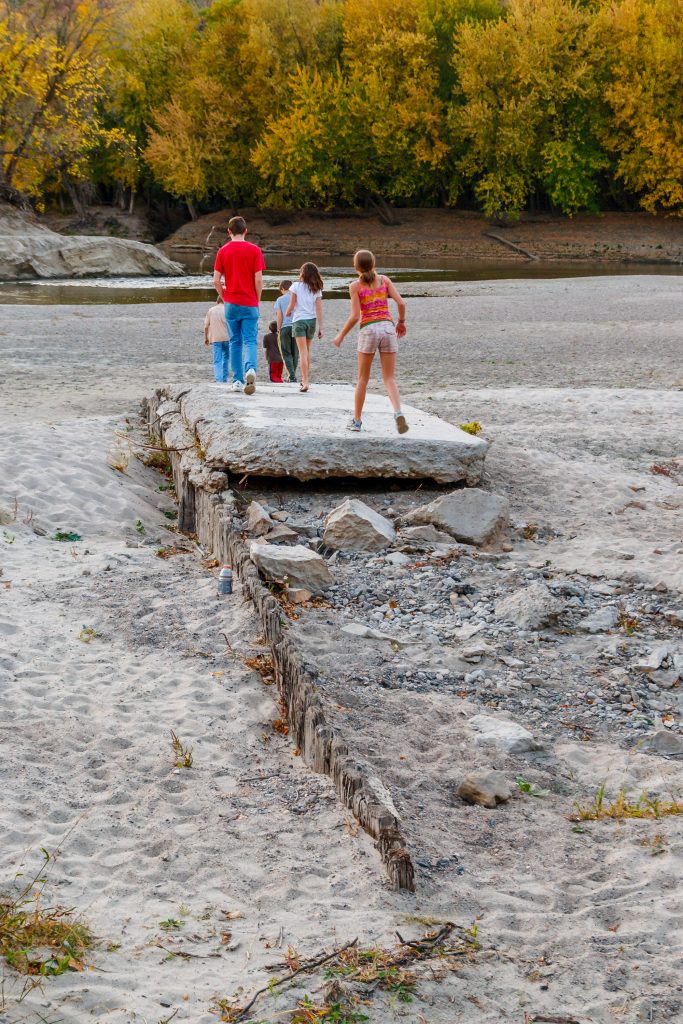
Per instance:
x=238, y=261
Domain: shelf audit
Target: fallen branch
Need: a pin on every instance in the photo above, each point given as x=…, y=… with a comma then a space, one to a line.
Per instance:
x=282, y=981
x=512, y=245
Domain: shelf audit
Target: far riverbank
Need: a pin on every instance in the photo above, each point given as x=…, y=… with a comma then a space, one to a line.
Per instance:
x=446, y=234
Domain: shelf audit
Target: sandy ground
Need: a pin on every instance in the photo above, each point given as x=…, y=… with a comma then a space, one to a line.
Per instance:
x=578, y=384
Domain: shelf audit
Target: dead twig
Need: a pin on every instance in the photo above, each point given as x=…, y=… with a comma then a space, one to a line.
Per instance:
x=281, y=981
x=427, y=945
x=552, y=1019
x=227, y=643
x=153, y=447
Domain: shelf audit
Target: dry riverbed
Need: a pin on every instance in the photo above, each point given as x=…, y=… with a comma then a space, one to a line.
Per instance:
x=196, y=880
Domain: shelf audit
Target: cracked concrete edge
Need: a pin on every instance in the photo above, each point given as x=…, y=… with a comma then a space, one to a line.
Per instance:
x=206, y=508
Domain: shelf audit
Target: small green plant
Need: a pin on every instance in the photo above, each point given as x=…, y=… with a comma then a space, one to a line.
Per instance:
x=531, y=789
x=87, y=634
x=171, y=513
x=171, y=924
x=183, y=754
x=471, y=428
x=139, y=526
x=67, y=536
x=622, y=807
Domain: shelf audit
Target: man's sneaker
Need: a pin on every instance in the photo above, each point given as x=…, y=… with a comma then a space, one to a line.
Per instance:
x=401, y=424
x=250, y=382
x=237, y=385
x=354, y=424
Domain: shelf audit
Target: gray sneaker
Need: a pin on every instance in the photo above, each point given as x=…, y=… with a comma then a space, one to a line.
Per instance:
x=354, y=424
x=250, y=382
x=237, y=385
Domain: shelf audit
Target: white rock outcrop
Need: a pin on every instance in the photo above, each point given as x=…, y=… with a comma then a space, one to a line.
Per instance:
x=472, y=516
x=354, y=526
x=28, y=250
x=296, y=566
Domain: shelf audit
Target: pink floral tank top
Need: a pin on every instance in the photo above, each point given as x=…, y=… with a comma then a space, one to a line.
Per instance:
x=374, y=303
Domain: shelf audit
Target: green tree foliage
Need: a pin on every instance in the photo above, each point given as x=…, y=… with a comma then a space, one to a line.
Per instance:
x=530, y=107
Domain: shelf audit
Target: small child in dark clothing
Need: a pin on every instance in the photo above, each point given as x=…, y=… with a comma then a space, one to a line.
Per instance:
x=273, y=354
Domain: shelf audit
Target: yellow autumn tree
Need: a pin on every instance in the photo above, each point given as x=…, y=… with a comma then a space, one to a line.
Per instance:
x=644, y=128
x=51, y=88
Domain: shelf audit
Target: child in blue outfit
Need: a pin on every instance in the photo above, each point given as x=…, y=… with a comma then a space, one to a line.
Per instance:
x=216, y=335
x=288, y=346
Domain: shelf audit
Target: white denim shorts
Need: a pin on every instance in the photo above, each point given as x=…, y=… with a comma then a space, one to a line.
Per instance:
x=380, y=337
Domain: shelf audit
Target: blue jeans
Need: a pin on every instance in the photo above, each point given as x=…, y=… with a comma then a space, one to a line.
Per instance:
x=220, y=351
x=242, y=324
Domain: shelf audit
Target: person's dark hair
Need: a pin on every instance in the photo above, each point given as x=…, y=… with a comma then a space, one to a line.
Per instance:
x=285, y=285
x=310, y=275
x=364, y=262
x=272, y=326
x=237, y=225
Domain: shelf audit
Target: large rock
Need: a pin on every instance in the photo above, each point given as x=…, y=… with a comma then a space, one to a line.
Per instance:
x=279, y=432
x=531, y=608
x=664, y=742
x=504, y=734
x=297, y=566
x=472, y=516
x=488, y=789
x=29, y=250
x=354, y=526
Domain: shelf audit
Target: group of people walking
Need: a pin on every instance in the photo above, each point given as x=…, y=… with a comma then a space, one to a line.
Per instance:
x=231, y=325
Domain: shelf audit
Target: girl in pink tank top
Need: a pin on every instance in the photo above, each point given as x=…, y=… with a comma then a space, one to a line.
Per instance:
x=370, y=296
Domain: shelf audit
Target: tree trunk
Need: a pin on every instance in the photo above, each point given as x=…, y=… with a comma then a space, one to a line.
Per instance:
x=191, y=208
x=72, y=191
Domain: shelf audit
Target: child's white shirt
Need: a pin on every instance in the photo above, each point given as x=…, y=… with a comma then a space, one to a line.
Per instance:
x=305, y=301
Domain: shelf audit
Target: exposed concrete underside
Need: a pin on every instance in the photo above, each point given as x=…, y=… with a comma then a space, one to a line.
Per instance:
x=281, y=432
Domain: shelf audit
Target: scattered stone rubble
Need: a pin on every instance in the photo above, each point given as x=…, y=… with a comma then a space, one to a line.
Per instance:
x=533, y=645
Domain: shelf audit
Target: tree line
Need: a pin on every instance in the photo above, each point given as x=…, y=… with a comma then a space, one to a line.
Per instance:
x=497, y=105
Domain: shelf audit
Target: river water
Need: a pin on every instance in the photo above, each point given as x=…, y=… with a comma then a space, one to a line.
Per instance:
x=198, y=287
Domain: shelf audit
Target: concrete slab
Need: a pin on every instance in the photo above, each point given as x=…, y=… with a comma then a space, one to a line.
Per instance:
x=281, y=432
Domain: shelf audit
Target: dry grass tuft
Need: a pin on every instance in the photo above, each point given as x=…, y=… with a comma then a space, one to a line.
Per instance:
x=183, y=754
x=621, y=807
x=38, y=940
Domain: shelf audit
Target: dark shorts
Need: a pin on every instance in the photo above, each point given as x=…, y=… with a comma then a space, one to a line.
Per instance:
x=304, y=329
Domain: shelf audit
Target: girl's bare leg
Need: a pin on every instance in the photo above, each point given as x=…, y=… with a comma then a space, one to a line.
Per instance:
x=388, y=361
x=304, y=359
x=364, y=367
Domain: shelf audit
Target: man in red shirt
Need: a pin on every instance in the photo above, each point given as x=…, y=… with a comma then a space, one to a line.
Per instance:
x=238, y=278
